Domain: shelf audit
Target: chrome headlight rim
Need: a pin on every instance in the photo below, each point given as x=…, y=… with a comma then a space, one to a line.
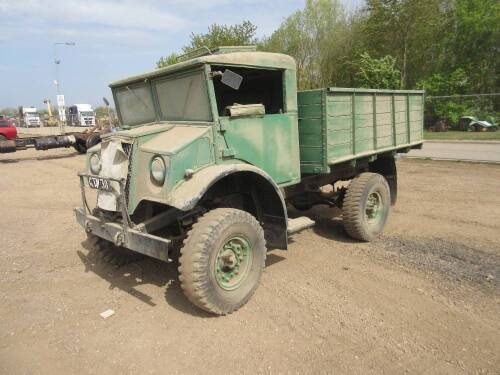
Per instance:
x=95, y=163
x=158, y=170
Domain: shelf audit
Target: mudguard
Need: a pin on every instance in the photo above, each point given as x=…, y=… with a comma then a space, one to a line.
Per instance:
x=188, y=193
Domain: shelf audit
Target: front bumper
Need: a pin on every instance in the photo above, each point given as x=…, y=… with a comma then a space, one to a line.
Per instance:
x=120, y=233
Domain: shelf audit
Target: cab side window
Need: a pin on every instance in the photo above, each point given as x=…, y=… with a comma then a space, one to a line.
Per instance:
x=259, y=86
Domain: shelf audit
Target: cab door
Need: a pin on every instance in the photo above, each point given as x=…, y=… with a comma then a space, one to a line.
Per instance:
x=267, y=139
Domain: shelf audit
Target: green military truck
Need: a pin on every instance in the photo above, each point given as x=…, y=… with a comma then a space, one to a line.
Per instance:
x=211, y=153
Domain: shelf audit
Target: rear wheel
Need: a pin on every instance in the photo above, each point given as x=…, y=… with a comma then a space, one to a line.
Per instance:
x=366, y=206
x=3, y=137
x=92, y=140
x=80, y=147
x=107, y=252
x=222, y=260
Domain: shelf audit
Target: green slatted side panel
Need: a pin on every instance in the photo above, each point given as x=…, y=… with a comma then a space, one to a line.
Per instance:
x=401, y=119
x=339, y=125
x=356, y=123
x=416, y=118
x=363, y=121
x=383, y=104
x=311, y=124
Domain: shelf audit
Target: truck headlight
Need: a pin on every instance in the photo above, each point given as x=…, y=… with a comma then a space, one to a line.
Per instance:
x=158, y=170
x=95, y=164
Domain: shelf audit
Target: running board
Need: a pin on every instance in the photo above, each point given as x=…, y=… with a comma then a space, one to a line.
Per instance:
x=298, y=224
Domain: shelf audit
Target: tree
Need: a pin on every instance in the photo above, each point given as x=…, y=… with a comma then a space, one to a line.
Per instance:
x=318, y=38
x=222, y=35
x=440, y=84
x=378, y=73
x=410, y=30
x=102, y=111
x=217, y=35
x=472, y=42
x=167, y=60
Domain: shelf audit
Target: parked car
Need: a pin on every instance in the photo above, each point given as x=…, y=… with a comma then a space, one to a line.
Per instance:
x=472, y=124
x=7, y=129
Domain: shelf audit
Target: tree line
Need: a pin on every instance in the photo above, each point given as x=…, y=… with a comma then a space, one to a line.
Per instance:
x=448, y=47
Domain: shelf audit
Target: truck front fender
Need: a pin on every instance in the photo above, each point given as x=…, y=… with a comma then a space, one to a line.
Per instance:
x=187, y=194
x=272, y=208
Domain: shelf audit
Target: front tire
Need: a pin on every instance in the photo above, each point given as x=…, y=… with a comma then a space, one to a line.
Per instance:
x=222, y=260
x=366, y=206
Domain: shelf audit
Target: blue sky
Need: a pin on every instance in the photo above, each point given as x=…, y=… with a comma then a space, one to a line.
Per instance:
x=114, y=39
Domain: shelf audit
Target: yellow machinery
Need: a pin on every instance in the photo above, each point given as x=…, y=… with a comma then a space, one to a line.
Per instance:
x=51, y=120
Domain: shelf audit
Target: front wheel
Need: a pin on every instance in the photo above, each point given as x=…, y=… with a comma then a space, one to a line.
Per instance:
x=222, y=260
x=366, y=206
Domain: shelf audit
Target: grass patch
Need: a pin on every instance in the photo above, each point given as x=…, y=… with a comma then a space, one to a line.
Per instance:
x=465, y=136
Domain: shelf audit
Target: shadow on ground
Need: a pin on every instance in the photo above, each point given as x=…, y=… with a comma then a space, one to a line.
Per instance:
x=328, y=222
x=149, y=271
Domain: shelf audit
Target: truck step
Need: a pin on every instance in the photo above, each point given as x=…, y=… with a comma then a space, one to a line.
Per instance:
x=299, y=223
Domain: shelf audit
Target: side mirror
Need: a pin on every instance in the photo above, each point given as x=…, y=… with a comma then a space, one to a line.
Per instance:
x=105, y=101
x=231, y=79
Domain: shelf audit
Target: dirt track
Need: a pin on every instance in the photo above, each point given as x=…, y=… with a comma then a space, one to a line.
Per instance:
x=425, y=298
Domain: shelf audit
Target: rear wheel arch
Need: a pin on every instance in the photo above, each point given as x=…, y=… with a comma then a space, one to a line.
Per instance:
x=385, y=165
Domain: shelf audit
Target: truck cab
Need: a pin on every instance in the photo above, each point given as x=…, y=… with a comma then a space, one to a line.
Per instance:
x=29, y=117
x=81, y=115
x=206, y=160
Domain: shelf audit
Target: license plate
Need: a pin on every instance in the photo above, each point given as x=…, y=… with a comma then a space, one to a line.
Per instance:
x=99, y=183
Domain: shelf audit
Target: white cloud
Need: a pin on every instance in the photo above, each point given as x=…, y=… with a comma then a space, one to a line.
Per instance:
x=123, y=14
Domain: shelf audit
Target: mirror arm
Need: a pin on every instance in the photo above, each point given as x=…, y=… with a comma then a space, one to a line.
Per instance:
x=216, y=74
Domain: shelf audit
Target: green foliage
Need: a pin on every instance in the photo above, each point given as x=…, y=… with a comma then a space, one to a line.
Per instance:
x=378, y=73
x=103, y=112
x=167, y=60
x=9, y=111
x=317, y=37
x=224, y=35
x=438, y=84
x=449, y=46
x=217, y=36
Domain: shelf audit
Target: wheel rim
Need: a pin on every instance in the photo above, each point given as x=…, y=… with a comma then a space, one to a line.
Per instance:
x=233, y=262
x=373, y=208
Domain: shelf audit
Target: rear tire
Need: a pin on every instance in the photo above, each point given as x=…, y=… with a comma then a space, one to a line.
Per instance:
x=2, y=138
x=222, y=260
x=92, y=140
x=107, y=252
x=80, y=148
x=366, y=206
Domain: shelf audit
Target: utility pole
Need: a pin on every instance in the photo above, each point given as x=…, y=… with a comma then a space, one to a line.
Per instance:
x=60, y=97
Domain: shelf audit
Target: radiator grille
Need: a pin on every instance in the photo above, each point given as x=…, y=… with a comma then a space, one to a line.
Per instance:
x=127, y=147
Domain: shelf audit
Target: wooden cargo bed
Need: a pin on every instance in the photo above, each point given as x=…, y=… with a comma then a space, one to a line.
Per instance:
x=341, y=124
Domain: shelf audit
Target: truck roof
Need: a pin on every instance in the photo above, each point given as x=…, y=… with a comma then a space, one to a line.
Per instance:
x=84, y=106
x=241, y=58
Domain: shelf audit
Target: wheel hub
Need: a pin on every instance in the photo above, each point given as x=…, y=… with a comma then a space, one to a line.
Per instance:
x=233, y=262
x=373, y=208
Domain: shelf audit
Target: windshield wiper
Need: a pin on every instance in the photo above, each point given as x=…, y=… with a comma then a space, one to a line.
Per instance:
x=142, y=101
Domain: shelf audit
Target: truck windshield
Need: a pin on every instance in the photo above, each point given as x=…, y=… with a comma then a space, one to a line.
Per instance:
x=183, y=98
x=87, y=113
x=135, y=104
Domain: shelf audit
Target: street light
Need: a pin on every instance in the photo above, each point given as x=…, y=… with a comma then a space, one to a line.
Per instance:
x=62, y=117
x=57, y=61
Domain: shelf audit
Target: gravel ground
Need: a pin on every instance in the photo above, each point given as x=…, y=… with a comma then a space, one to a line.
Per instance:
x=422, y=299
